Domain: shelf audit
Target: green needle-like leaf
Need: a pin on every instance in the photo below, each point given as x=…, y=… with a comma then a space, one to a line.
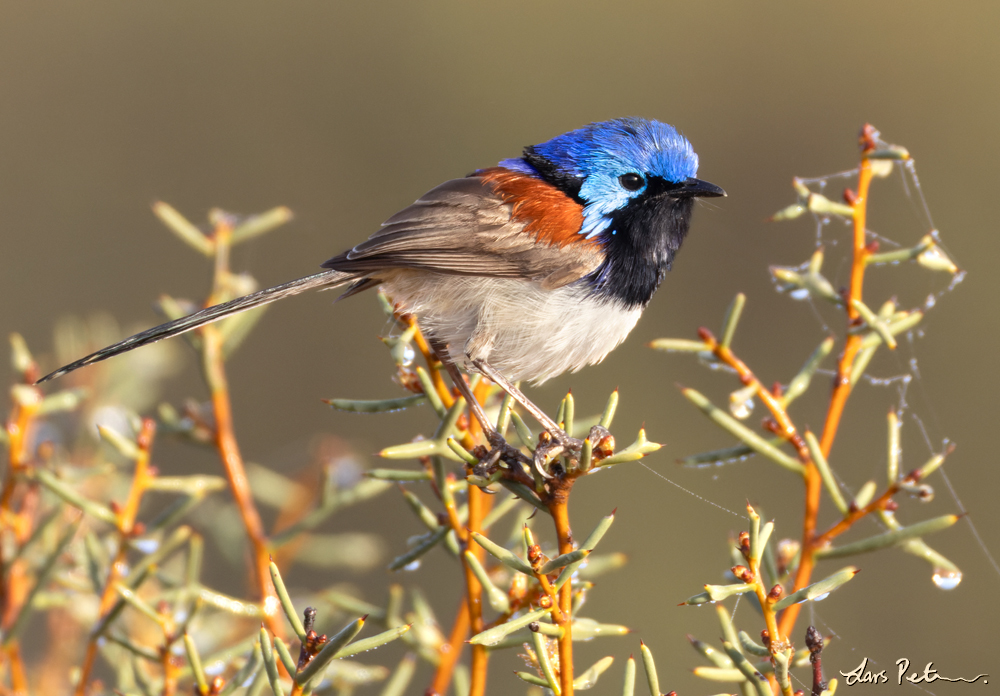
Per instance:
x=532, y=679
x=429, y=541
x=195, y=661
x=401, y=676
x=41, y=580
x=270, y=664
x=544, y=663
x=376, y=641
x=732, y=319
x=398, y=475
x=588, y=679
x=286, y=603
x=413, y=450
x=629, y=688
x=650, y=666
x=183, y=228
x=427, y=384
x=96, y=510
x=711, y=654
x=508, y=558
x=825, y=473
x=284, y=655
x=679, y=345
x=377, y=405
x=800, y=382
x=564, y=560
x=637, y=450
x=494, y=595
x=462, y=453
x=749, y=645
x=740, y=431
x=890, y=538
x=609, y=410
x=817, y=589
x=748, y=670
x=256, y=225
x=522, y=430
x=330, y=649
x=492, y=636
x=716, y=593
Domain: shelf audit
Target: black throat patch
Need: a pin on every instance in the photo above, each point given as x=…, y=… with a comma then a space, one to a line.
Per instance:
x=640, y=245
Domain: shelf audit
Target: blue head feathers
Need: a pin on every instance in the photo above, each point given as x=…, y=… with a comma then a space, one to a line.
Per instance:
x=589, y=163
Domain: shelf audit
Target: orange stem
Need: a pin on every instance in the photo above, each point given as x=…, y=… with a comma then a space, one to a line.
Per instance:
x=479, y=504
x=559, y=509
x=841, y=388
x=232, y=462
x=451, y=651
x=14, y=591
x=213, y=366
x=125, y=524
x=18, y=676
x=433, y=364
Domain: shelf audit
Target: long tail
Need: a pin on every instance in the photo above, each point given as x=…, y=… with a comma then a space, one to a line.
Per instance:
x=327, y=279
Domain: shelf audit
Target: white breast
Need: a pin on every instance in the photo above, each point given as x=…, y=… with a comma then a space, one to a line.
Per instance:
x=523, y=331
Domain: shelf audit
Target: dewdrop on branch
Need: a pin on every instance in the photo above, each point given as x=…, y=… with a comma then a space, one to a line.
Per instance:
x=741, y=402
x=935, y=259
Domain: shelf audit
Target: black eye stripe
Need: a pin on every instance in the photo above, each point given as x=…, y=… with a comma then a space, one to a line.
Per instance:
x=631, y=181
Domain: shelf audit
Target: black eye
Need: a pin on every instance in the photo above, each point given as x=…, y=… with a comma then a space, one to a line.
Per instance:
x=631, y=181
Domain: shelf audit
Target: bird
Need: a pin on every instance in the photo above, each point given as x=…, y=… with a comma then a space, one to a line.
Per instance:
x=540, y=265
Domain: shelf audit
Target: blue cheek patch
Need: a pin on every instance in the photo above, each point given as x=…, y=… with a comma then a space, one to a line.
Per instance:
x=604, y=195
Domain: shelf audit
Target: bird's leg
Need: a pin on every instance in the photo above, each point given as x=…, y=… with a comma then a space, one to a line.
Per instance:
x=557, y=433
x=493, y=436
x=490, y=431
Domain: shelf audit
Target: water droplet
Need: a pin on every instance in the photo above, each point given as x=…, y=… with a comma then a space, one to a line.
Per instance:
x=799, y=294
x=936, y=260
x=215, y=668
x=947, y=579
x=930, y=302
x=741, y=402
x=741, y=408
x=408, y=355
x=412, y=565
x=820, y=598
x=146, y=545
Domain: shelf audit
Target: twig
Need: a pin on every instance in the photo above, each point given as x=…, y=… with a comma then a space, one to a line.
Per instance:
x=558, y=506
x=126, y=525
x=842, y=383
x=452, y=650
x=213, y=367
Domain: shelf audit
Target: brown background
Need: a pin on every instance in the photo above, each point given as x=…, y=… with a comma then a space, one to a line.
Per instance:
x=348, y=111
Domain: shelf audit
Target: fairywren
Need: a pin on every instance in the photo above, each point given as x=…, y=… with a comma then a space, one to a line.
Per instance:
x=525, y=270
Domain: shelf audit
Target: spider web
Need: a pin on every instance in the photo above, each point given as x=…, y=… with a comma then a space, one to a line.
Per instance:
x=833, y=234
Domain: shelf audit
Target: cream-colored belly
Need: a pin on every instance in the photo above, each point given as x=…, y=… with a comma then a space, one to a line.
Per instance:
x=520, y=329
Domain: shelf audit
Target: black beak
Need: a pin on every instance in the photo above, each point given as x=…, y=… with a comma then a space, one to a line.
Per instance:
x=692, y=188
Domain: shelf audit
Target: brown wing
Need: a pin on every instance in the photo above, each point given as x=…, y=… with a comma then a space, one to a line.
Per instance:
x=471, y=226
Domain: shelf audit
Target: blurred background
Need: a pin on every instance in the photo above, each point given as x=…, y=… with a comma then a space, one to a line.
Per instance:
x=346, y=112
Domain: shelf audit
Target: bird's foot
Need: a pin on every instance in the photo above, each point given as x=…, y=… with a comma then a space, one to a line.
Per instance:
x=599, y=436
x=499, y=449
x=552, y=444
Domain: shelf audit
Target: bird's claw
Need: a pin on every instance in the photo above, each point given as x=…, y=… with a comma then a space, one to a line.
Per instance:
x=500, y=449
x=560, y=437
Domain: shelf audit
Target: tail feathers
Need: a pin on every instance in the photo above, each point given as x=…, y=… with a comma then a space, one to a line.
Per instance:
x=320, y=281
